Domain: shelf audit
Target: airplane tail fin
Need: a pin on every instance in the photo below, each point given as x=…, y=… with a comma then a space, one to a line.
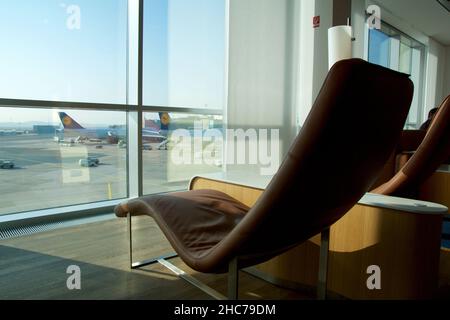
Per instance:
x=164, y=119
x=68, y=122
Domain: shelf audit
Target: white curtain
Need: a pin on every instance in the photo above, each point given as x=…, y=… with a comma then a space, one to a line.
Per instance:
x=277, y=63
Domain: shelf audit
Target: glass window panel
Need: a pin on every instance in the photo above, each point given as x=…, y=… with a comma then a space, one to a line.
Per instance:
x=64, y=51
x=184, y=53
x=405, y=58
x=45, y=164
x=416, y=77
x=379, y=48
x=395, y=50
x=178, y=146
x=394, y=59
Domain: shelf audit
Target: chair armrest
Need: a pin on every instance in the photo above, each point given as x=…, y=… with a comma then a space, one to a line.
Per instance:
x=402, y=204
x=410, y=140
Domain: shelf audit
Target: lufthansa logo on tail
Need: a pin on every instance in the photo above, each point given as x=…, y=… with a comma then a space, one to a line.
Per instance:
x=67, y=121
x=165, y=119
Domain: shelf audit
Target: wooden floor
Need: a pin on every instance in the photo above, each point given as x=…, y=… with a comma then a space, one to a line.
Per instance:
x=34, y=267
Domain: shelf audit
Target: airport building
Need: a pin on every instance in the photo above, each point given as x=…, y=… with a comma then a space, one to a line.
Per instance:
x=45, y=129
x=259, y=149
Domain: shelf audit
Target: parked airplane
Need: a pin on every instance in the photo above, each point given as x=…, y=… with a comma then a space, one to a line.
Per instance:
x=113, y=134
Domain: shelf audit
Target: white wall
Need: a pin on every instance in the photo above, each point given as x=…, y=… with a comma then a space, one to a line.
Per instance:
x=324, y=8
x=358, y=26
x=306, y=61
x=313, y=63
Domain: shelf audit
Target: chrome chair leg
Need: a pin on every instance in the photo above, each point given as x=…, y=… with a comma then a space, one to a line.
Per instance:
x=130, y=240
x=232, y=272
x=233, y=280
x=146, y=262
x=323, y=264
x=196, y=283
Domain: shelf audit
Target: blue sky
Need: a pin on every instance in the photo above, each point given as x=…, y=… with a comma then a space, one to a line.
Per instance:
x=45, y=60
x=42, y=59
x=184, y=53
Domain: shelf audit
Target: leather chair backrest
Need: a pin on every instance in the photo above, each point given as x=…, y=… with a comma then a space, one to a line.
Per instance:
x=431, y=153
x=353, y=127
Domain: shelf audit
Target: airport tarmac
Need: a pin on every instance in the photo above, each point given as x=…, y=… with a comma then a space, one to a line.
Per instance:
x=48, y=174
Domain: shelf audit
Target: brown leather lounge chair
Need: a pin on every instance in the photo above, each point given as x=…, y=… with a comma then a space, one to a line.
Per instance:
x=410, y=140
x=357, y=117
x=431, y=153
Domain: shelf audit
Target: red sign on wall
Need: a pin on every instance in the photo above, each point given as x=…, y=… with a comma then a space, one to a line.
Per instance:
x=316, y=21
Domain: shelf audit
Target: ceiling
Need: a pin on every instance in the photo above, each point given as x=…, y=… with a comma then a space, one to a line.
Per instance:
x=427, y=16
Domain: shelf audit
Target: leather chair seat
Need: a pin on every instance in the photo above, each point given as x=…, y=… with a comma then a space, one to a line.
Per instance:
x=194, y=221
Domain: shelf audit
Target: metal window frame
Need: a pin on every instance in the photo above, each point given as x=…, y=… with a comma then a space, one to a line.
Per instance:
x=138, y=109
x=92, y=106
